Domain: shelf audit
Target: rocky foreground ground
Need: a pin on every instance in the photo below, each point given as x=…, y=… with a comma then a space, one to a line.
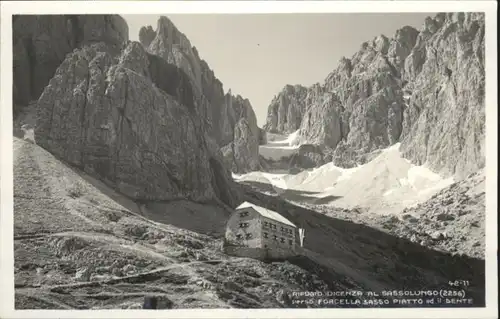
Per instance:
x=453, y=220
x=76, y=248
x=79, y=246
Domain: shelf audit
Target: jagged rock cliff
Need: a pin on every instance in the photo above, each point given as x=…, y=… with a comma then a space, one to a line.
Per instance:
x=132, y=120
x=424, y=88
x=150, y=123
x=286, y=110
x=239, y=155
x=322, y=125
x=41, y=43
x=222, y=112
x=444, y=122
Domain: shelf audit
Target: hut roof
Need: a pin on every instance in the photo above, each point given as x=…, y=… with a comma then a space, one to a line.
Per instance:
x=266, y=213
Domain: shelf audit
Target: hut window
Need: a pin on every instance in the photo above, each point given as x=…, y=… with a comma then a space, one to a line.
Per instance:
x=239, y=236
x=282, y=239
x=265, y=235
x=266, y=224
x=275, y=237
x=243, y=214
x=282, y=229
x=243, y=225
x=248, y=236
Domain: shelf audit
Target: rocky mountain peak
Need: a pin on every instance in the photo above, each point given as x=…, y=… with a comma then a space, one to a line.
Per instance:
x=221, y=112
x=168, y=34
x=406, y=34
x=119, y=109
x=146, y=35
x=345, y=63
x=381, y=44
x=130, y=129
x=286, y=110
x=135, y=58
x=398, y=89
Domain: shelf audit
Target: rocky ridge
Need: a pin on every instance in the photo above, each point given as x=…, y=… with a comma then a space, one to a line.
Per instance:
x=399, y=89
x=444, y=123
x=139, y=131
x=110, y=106
x=39, y=51
x=223, y=112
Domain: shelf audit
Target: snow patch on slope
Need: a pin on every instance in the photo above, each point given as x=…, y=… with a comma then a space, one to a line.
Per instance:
x=387, y=184
x=282, y=146
x=292, y=138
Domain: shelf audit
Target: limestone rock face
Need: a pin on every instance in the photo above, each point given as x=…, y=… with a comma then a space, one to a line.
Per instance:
x=372, y=101
x=233, y=110
x=221, y=111
x=242, y=153
x=401, y=46
x=262, y=137
x=174, y=47
x=423, y=88
x=146, y=35
x=136, y=130
x=444, y=123
x=41, y=43
x=321, y=124
x=286, y=110
x=359, y=107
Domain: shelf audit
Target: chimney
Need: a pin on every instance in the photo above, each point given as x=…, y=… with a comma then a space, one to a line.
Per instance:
x=301, y=236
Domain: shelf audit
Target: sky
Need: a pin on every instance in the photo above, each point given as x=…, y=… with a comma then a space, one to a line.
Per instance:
x=256, y=55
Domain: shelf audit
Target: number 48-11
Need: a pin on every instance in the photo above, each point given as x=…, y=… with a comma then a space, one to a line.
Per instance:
x=458, y=283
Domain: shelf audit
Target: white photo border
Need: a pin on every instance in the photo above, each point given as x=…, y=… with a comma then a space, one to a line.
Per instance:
x=8, y=8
